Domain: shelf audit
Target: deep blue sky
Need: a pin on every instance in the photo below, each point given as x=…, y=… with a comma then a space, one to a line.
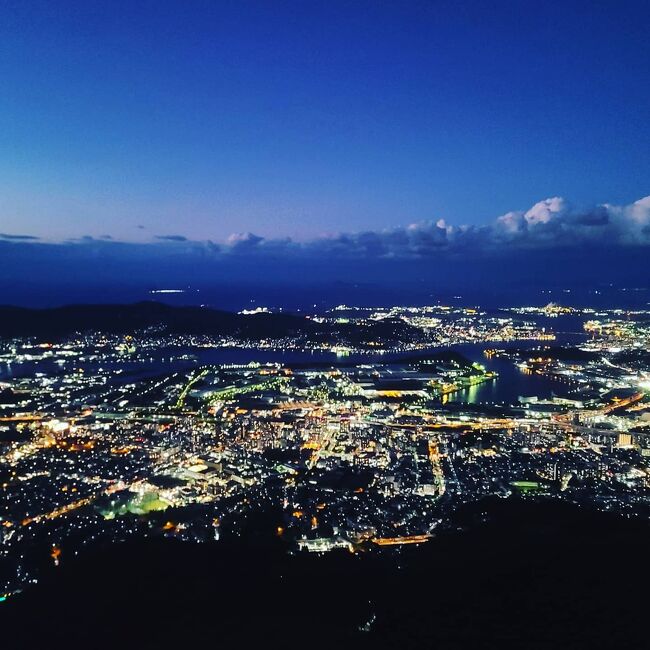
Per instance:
x=294, y=119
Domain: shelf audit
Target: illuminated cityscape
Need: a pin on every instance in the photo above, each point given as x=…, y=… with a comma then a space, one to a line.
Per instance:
x=365, y=433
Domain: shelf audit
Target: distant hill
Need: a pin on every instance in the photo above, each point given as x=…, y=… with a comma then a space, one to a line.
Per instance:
x=122, y=319
x=59, y=322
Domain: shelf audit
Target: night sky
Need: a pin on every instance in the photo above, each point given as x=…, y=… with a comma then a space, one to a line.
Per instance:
x=201, y=142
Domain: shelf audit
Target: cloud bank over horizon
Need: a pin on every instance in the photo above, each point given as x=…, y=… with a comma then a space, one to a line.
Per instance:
x=550, y=244
x=549, y=224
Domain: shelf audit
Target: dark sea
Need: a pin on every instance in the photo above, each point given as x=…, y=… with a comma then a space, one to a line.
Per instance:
x=315, y=297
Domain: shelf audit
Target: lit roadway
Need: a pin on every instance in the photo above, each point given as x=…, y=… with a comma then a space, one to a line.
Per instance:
x=58, y=511
x=434, y=456
x=564, y=420
x=195, y=378
x=328, y=441
x=496, y=423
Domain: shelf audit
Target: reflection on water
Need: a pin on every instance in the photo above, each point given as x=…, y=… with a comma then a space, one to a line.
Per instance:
x=509, y=384
x=505, y=388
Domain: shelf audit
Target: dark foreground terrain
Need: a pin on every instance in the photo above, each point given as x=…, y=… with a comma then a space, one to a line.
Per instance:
x=534, y=576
